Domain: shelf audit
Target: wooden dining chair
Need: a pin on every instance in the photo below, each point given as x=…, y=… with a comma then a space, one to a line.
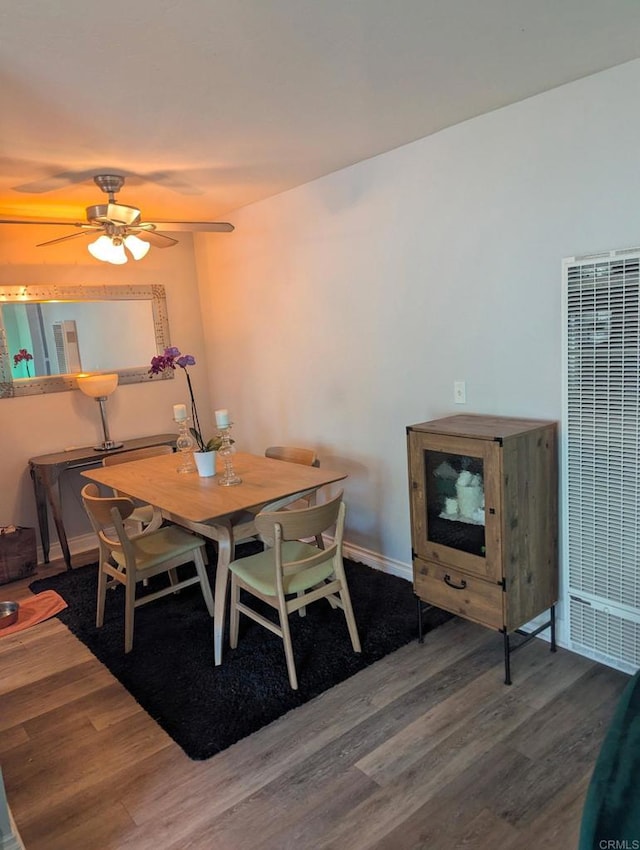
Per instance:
x=145, y=518
x=128, y=559
x=293, y=454
x=291, y=574
x=306, y=457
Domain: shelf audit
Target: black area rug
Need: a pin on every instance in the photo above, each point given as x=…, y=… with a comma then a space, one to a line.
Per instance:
x=205, y=709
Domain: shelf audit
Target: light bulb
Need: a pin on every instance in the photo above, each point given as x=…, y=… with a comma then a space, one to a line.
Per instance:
x=105, y=249
x=137, y=247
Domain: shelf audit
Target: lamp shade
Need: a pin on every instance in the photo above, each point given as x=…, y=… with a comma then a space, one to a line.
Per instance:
x=97, y=386
x=105, y=249
x=138, y=247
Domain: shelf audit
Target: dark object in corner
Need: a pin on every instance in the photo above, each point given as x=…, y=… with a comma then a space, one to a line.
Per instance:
x=611, y=814
x=18, y=557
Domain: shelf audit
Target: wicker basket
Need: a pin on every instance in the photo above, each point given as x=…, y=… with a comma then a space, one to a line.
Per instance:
x=18, y=556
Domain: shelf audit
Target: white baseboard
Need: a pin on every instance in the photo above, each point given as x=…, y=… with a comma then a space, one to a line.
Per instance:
x=378, y=562
x=357, y=553
x=87, y=542
x=398, y=568
x=77, y=546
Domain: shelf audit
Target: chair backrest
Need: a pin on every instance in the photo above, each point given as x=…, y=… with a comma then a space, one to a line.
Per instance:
x=106, y=513
x=277, y=527
x=292, y=454
x=136, y=454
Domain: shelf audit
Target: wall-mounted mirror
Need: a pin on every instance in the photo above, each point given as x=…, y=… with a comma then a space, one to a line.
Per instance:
x=59, y=331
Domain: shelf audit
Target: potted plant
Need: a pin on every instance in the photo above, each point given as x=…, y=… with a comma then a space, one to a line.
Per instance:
x=204, y=454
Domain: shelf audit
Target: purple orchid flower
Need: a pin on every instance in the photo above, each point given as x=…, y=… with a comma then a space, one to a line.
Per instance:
x=171, y=358
x=23, y=354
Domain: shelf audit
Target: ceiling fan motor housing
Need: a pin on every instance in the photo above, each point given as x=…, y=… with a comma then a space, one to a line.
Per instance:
x=112, y=213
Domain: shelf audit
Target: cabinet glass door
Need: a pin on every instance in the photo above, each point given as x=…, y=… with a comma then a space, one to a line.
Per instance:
x=454, y=502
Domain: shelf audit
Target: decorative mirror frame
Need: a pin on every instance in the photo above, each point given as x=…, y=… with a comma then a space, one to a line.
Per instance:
x=61, y=383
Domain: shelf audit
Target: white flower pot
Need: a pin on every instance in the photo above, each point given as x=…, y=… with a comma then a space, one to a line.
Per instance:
x=205, y=463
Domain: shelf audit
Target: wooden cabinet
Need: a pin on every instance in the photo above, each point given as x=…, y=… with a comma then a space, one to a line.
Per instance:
x=484, y=520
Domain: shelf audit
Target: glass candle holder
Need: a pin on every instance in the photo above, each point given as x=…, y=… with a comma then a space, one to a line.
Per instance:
x=229, y=477
x=185, y=444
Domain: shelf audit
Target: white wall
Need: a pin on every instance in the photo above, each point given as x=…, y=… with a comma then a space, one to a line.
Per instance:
x=342, y=311
x=35, y=425
x=346, y=308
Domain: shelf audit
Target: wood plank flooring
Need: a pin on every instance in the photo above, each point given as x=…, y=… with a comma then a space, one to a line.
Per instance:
x=425, y=749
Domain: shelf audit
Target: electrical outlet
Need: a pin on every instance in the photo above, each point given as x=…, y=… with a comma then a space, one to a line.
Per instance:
x=459, y=392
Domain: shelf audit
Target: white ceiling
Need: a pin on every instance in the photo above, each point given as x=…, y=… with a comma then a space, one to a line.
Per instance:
x=208, y=105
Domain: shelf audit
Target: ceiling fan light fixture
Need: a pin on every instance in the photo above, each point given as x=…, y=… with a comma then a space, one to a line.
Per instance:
x=138, y=247
x=116, y=221
x=106, y=249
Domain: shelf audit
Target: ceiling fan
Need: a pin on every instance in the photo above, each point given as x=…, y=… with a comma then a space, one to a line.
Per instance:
x=120, y=226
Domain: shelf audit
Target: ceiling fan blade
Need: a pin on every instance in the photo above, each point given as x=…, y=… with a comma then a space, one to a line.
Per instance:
x=158, y=240
x=86, y=232
x=43, y=223
x=56, y=178
x=52, y=182
x=194, y=226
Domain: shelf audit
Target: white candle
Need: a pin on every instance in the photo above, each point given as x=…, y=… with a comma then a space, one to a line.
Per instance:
x=222, y=418
x=179, y=412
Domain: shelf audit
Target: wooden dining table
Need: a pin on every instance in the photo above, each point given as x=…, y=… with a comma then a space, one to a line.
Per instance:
x=224, y=514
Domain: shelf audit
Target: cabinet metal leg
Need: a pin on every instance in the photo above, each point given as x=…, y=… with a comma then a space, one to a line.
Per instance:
x=507, y=657
x=508, y=648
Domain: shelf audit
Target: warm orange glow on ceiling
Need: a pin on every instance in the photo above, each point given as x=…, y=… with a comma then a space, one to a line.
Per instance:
x=43, y=211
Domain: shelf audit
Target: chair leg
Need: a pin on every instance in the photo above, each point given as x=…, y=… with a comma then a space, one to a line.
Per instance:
x=234, y=614
x=302, y=612
x=129, y=610
x=288, y=648
x=102, y=593
x=204, y=580
x=351, y=620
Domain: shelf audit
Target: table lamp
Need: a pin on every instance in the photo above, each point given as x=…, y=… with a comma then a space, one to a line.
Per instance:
x=100, y=387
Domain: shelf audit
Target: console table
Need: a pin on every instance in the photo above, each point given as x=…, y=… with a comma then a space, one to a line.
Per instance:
x=45, y=472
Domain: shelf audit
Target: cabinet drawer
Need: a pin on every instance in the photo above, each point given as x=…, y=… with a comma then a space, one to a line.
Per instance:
x=460, y=593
